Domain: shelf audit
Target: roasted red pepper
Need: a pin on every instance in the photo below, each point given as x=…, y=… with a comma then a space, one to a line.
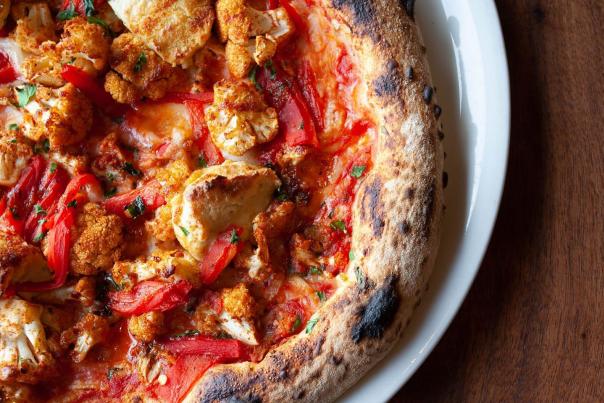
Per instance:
x=182, y=97
x=299, y=22
x=8, y=73
x=282, y=92
x=220, y=254
x=90, y=87
x=150, y=193
x=194, y=356
x=80, y=5
x=308, y=84
x=149, y=296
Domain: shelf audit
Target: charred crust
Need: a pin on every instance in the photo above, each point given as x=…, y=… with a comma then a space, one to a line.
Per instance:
x=404, y=227
x=427, y=94
x=409, y=7
x=372, y=206
x=224, y=387
x=389, y=83
x=428, y=209
x=379, y=313
x=363, y=12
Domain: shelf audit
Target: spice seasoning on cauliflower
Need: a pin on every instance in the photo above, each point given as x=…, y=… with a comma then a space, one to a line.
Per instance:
x=35, y=25
x=147, y=326
x=239, y=119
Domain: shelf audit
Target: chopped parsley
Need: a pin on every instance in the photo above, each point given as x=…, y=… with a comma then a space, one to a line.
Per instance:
x=39, y=210
x=357, y=171
x=184, y=230
x=73, y=203
x=281, y=194
x=252, y=77
x=13, y=126
x=111, y=372
x=53, y=167
x=311, y=324
x=186, y=333
x=39, y=237
x=201, y=162
x=338, y=225
x=41, y=221
x=129, y=168
x=110, y=192
x=25, y=94
x=43, y=148
x=321, y=296
x=69, y=13
x=234, y=237
x=136, y=208
x=89, y=7
x=315, y=270
x=360, y=276
x=13, y=141
x=103, y=24
x=111, y=176
x=351, y=255
x=140, y=62
x=109, y=278
x=296, y=324
x=269, y=65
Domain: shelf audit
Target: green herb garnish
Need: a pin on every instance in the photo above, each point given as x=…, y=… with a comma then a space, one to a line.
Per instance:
x=357, y=171
x=136, y=208
x=351, y=255
x=140, y=62
x=252, y=77
x=186, y=333
x=39, y=237
x=296, y=324
x=25, y=94
x=53, y=167
x=39, y=210
x=110, y=192
x=234, y=237
x=321, y=296
x=338, y=225
x=103, y=24
x=184, y=230
x=311, y=324
x=73, y=203
x=69, y=13
x=89, y=7
x=271, y=68
x=315, y=270
x=13, y=126
x=201, y=162
x=129, y=168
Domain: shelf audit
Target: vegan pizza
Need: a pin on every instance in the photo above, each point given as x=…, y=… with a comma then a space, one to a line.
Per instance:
x=211, y=200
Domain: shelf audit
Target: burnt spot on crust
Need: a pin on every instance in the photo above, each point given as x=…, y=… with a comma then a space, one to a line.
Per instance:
x=378, y=314
x=363, y=11
x=372, y=207
x=404, y=227
x=409, y=6
x=389, y=83
x=428, y=210
x=427, y=94
x=224, y=387
x=252, y=399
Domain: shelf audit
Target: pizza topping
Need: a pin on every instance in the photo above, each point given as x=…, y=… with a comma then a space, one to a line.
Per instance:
x=14, y=156
x=217, y=197
x=133, y=204
x=239, y=119
x=250, y=35
x=88, y=332
x=149, y=296
x=146, y=327
x=20, y=262
x=24, y=352
x=35, y=25
x=220, y=253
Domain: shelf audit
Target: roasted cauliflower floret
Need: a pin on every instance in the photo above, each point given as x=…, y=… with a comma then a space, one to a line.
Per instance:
x=44, y=69
x=35, y=25
x=138, y=71
x=14, y=155
x=85, y=45
x=98, y=244
x=161, y=264
x=237, y=316
x=20, y=262
x=174, y=29
x=24, y=355
x=87, y=333
x=214, y=198
x=239, y=118
x=251, y=35
x=64, y=116
x=146, y=327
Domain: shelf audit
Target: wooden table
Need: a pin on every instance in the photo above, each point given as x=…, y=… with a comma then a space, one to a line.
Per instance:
x=532, y=327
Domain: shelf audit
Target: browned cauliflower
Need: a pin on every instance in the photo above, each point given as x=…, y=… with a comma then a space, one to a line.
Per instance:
x=62, y=115
x=24, y=354
x=85, y=45
x=45, y=68
x=147, y=326
x=35, y=25
x=14, y=155
x=239, y=118
x=237, y=316
x=251, y=35
x=139, y=72
x=88, y=332
x=20, y=262
x=175, y=29
x=98, y=244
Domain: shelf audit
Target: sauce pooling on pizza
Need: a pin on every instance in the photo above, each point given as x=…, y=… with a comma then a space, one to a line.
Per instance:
x=176, y=183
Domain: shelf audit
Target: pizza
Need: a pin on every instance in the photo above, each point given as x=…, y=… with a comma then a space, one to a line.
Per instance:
x=211, y=200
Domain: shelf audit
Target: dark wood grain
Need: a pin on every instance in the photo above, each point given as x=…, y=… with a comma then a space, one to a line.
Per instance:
x=532, y=327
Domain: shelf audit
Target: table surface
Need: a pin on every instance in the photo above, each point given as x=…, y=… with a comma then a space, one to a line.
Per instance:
x=532, y=326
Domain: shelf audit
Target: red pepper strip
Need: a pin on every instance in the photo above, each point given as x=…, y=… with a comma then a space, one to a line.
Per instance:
x=195, y=356
x=282, y=93
x=51, y=188
x=295, y=16
x=151, y=193
x=220, y=254
x=21, y=198
x=8, y=73
x=211, y=153
x=181, y=97
x=272, y=4
x=150, y=296
x=93, y=90
x=308, y=84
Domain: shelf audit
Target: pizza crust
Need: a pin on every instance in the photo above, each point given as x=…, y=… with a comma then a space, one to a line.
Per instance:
x=396, y=226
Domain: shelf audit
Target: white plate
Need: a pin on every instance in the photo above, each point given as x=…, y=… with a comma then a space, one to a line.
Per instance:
x=468, y=63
